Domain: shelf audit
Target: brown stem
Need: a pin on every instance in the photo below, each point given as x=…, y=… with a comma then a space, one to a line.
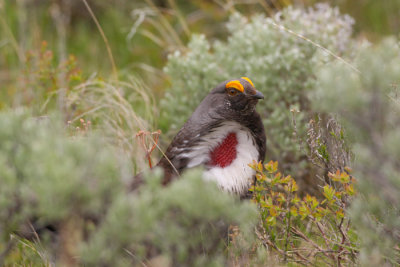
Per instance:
x=149, y=159
x=305, y=238
x=289, y=199
x=154, y=138
x=322, y=233
x=70, y=236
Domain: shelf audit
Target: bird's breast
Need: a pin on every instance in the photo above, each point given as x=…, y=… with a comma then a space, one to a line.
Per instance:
x=226, y=152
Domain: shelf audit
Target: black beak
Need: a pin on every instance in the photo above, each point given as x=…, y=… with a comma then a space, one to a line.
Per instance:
x=258, y=95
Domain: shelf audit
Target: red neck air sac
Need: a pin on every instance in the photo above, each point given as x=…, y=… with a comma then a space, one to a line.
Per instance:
x=225, y=153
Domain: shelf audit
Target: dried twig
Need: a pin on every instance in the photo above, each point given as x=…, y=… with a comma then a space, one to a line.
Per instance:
x=305, y=238
x=149, y=147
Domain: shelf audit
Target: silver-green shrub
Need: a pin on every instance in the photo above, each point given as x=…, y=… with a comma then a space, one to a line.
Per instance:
x=49, y=176
x=184, y=224
x=73, y=183
x=368, y=105
x=282, y=66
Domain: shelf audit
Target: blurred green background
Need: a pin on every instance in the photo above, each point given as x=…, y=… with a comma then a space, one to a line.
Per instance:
x=142, y=33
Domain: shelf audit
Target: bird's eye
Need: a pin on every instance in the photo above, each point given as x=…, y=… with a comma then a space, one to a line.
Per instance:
x=232, y=92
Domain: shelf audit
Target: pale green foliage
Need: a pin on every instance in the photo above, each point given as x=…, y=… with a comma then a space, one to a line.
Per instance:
x=280, y=64
x=48, y=176
x=193, y=75
x=368, y=105
x=186, y=224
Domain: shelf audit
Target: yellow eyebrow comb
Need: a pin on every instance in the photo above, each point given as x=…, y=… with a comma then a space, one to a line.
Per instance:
x=247, y=79
x=235, y=84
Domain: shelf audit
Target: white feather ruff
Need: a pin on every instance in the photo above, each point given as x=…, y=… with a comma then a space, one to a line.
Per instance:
x=237, y=176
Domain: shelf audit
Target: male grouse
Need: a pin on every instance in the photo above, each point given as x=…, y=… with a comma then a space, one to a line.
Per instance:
x=224, y=134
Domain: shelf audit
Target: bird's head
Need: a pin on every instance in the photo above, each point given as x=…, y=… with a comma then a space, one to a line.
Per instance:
x=237, y=96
